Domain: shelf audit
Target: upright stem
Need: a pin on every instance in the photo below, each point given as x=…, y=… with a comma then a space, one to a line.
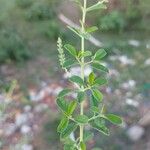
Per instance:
x=82, y=64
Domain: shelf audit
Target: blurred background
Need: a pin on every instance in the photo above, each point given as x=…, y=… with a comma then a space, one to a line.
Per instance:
x=30, y=75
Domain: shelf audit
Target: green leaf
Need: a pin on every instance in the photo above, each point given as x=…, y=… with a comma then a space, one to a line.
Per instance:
x=95, y=109
x=75, y=31
x=96, y=6
x=114, y=119
x=71, y=49
x=84, y=54
x=93, y=101
x=81, y=119
x=71, y=107
x=78, y=32
x=78, y=2
x=81, y=96
x=62, y=104
x=69, y=147
x=100, y=127
x=77, y=79
x=87, y=136
x=63, y=124
x=68, y=63
x=91, y=29
x=64, y=93
x=68, y=141
x=91, y=78
x=100, y=67
x=100, y=54
x=100, y=81
x=97, y=94
x=69, y=129
x=82, y=146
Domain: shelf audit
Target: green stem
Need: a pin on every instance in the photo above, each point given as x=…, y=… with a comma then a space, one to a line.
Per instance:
x=82, y=64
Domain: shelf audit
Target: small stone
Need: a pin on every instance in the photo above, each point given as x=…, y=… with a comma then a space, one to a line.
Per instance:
x=1, y=144
x=40, y=107
x=134, y=43
x=128, y=85
x=1, y=132
x=128, y=94
x=113, y=72
x=148, y=46
x=27, y=108
x=77, y=71
x=36, y=96
x=48, y=90
x=135, y=133
x=125, y=60
x=25, y=129
x=145, y=120
x=40, y=96
x=27, y=147
x=147, y=62
x=118, y=92
x=109, y=90
x=132, y=102
x=131, y=83
x=9, y=129
x=113, y=58
x=21, y=119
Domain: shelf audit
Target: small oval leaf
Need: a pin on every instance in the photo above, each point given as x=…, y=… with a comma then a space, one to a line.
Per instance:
x=93, y=101
x=84, y=54
x=69, y=129
x=81, y=119
x=114, y=119
x=63, y=124
x=71, y=107
x=97, y=94
x=100, y=54
x=64, y=93
x=95, y=109
x=100, y=81
x=71, y=49
x=91, y=29
x=100, y=67
x=98, y=5
x=68, y=63
x=62, y=104
x=100, y=127
x=77, y=79
x=91, y=78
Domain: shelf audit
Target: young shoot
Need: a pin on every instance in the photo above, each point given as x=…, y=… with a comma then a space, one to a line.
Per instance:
x=74, y=115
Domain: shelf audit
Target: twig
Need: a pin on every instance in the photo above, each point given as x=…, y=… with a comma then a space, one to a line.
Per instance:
x=69, y=22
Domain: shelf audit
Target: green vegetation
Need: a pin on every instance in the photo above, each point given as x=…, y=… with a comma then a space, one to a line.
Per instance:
x=97, y=118
x=23, y=24
x=24, y=3
x=113, y=21
x=37, y=39
x=40, y=11
x=12, y=47
x=129, y=15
